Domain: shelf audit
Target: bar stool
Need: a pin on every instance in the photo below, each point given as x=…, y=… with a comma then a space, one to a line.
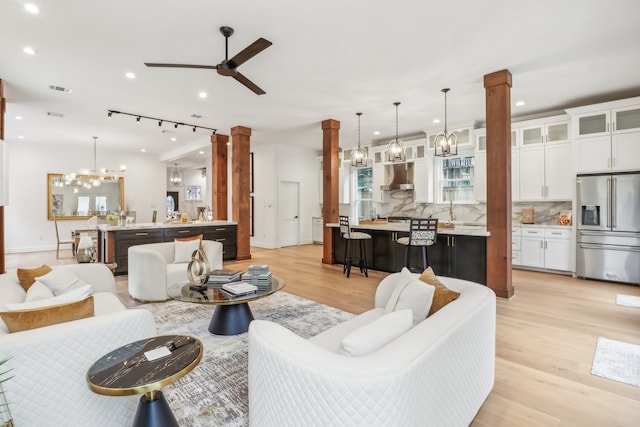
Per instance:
x=422, y=233
x=348, y=235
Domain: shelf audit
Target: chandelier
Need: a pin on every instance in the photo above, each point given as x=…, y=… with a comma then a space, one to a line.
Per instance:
x=446, y=141
x=395, y=151
x=359, y=155
x=88, y=178
x=175, y=178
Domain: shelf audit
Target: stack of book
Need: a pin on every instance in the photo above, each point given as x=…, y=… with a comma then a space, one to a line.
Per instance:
x=258, y=275
x=238, y=289
x=219, y=277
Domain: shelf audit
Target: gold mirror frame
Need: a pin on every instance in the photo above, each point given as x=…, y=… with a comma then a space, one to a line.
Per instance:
x=52, y=176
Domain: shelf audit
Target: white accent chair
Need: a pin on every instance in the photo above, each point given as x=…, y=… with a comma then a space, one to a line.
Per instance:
x=49, y=364
x=438, y=373
x=152, y=268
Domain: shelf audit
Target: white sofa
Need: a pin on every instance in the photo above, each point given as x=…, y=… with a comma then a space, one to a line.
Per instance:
x=50, y=364
x=152, y=268
x=438, y=373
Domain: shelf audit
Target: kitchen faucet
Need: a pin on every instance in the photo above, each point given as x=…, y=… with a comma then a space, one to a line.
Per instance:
x=452, y=217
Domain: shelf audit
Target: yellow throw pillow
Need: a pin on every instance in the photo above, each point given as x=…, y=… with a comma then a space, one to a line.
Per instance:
x=442, y=295
x=186, y=239
x=22, y=320
x=27, y=276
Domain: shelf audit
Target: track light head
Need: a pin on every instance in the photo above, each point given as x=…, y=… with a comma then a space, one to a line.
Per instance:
x=175, y=126
x=194, y=128
x=160, y=123
x=109, y=113
x=138, y=119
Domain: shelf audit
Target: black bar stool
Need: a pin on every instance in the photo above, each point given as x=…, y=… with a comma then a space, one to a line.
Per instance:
x=348, y=235
x=422, y=233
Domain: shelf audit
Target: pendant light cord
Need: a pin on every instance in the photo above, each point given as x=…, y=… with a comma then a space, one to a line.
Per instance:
x=396, y=104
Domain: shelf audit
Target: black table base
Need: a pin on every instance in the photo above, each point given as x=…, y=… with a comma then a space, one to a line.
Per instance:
x=154, y=413
x=231, y=319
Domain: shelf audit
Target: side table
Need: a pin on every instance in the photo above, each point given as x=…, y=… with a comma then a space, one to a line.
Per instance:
x=126, y=371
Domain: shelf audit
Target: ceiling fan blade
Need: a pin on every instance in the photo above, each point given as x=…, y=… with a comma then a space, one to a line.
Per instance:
x=249, y=52
x=152, y=64
x=248, y=83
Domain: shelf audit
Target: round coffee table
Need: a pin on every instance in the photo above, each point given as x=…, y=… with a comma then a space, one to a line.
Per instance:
x=232, y=315
x=126, y=371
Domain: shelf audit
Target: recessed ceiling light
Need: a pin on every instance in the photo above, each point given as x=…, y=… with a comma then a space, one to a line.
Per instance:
x=21, y=137
x=436, y=120
x=200, y=152
x=519, y=103
x=31, y=8
x=203, y=94
x=29, y=50
x=18, y=117
x=130, y=75
x=143, y=150
x=377, y=132
x=173, y=138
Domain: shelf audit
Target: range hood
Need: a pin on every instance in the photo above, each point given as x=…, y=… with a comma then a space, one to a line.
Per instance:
x=398, y=176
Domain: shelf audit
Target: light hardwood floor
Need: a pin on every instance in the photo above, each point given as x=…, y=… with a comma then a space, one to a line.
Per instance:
x=546, y=336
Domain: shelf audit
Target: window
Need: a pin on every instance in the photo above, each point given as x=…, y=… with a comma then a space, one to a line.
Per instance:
x=83, y=205
x=456, y=181
x=364, y=208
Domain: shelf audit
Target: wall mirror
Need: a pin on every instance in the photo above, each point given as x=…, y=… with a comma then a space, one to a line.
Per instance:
x=68, y=201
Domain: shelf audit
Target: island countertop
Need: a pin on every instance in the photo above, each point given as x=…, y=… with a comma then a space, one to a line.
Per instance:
x=145, y=225
x=459, y=230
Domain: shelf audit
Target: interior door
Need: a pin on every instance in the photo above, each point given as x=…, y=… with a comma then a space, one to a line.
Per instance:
x=289, y=208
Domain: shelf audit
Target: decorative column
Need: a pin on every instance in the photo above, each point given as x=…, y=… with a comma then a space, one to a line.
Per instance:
x=240, y=177
x=219, y=179
x=498, y=104
x=330, y=185
x=3, y=107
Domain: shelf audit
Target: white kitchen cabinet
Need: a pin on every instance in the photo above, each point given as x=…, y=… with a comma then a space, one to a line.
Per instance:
x=378, y=180
x=607, y=136
x=464, y=136
x=481, y=166
x=480, y=176
x=546, y=172
x=547, y=248
x=345, y=182
x=317, y=230
x=543, y=132
x=516, y=246
x=423, y=180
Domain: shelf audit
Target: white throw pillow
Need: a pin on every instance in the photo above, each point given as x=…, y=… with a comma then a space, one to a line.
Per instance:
x=38, y=291
x=184, y=250
x=61, y=281
x=71, y=296
x=413, y=294
x=383, y=330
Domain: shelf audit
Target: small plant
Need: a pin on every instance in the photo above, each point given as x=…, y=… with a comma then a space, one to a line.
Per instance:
x=112, y=217
x=6, y=420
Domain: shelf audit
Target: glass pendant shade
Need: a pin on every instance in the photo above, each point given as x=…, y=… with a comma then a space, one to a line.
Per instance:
x=175, y=179
x=359, y=155
x=88, y=178
x=396, y=149
x=446, y=143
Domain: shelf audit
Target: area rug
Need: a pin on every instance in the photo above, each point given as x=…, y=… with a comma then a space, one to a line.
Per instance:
x=628, y=300
x=618, y=361
x=215, y=393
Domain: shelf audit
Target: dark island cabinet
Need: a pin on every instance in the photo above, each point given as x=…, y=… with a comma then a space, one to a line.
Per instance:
x=459, y=256
x=225, y=234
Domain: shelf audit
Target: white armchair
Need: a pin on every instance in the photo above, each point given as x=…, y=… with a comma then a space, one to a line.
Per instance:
x=152, y=268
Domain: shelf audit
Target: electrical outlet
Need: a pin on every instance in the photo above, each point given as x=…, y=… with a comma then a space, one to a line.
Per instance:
x=552, y=211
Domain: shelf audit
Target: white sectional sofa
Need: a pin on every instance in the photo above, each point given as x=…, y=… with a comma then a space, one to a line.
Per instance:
x=438, y=373
x=49, y=364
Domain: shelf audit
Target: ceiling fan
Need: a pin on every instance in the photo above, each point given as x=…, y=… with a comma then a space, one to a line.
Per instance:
x=229, y=67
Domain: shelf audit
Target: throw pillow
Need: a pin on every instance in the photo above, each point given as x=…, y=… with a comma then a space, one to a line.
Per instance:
x=184, y=250
x=22, y=320
x=371, y=337
x=442, y=295
x=412, y=294
x=38, y=291
x=71, y=296
x=61, y=281
x=26, y=276
x=186, y=239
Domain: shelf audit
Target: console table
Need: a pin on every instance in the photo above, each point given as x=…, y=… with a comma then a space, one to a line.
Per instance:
x=114, y=241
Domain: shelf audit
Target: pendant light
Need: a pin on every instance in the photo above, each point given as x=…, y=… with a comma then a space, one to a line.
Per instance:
x=395, y=151
x=88, y=178
x=446, y=142
x=175, y=179
x=359, y=154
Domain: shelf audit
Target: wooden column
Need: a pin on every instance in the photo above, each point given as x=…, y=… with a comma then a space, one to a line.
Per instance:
x=498, y=100
x=219, y=181
x=240, y=170
x=330, y=167
x=3, y=107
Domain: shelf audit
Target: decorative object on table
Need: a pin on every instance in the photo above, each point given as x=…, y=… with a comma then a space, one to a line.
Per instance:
x=6, y=420
x=565, y=217
x=446, y=141
x=259, y=276
x=198, y=269
x=221, y=276
x=527, y=216
x=396, y=149
x=112, y=219
x=86, y=251
x=239, y=288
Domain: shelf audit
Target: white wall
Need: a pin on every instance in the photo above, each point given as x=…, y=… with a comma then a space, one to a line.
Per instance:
x=27, y=228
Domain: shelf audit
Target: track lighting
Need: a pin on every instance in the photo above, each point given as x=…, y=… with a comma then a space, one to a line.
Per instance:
x=161, y=121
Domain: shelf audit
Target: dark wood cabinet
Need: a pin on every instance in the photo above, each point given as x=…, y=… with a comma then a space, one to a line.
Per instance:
x=122, y=240
x=225, y=234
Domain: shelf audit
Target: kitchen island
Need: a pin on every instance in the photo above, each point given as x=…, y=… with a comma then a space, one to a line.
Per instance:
x=459, y=252
x=114, y=241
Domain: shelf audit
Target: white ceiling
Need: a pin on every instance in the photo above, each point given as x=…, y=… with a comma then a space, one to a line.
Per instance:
x=329, y=59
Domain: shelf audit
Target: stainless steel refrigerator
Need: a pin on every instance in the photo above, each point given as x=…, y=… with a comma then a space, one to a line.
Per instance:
x=608, y=227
